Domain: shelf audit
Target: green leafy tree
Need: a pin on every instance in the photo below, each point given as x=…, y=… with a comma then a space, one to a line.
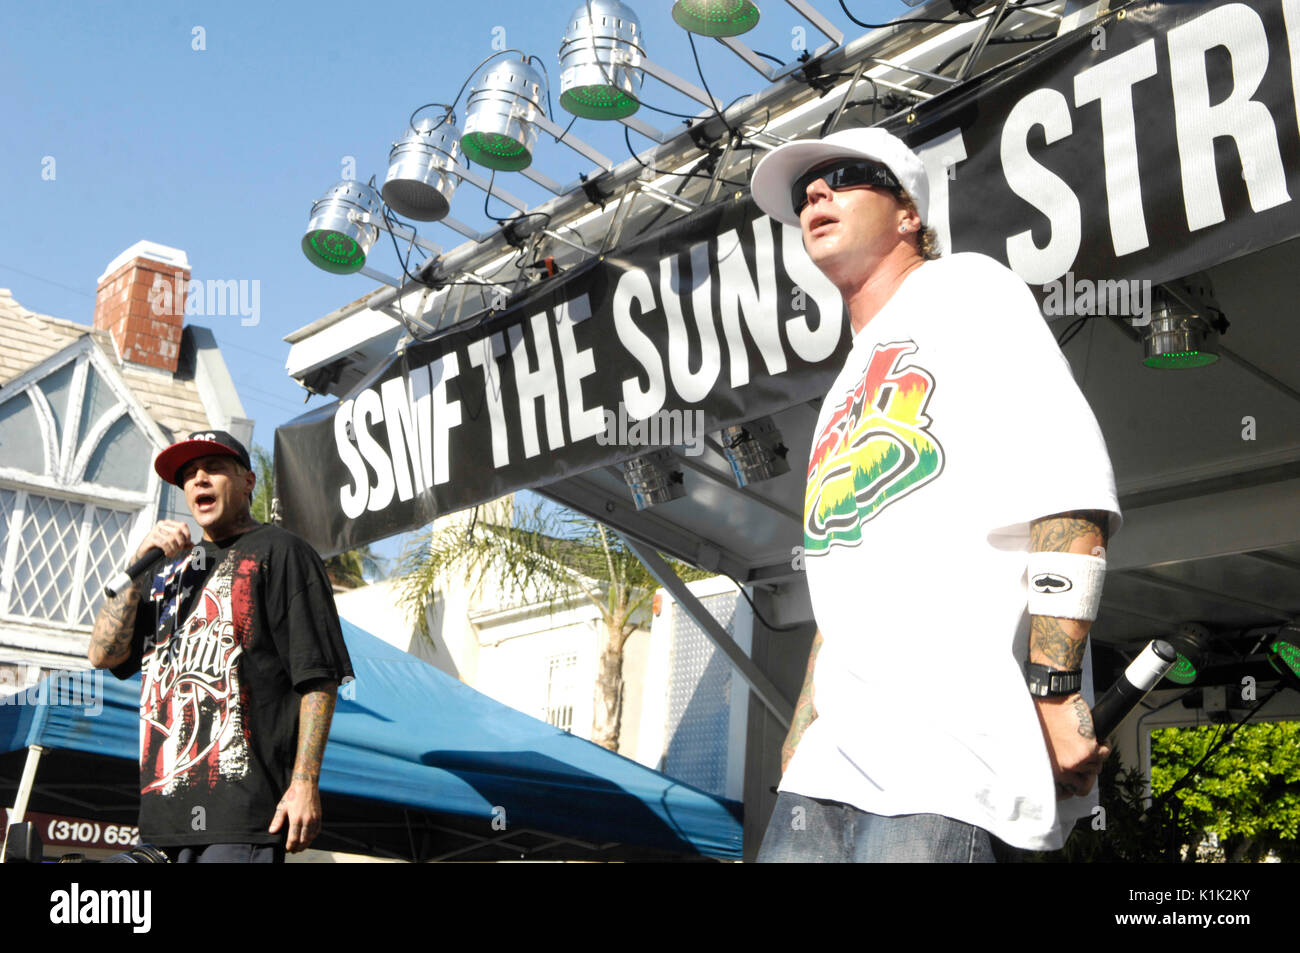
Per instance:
x=347, y=570
x=1247, y=794
x=545, y=555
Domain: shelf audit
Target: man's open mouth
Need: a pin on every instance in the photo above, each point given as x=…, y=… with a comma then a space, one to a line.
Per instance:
x=205, y=500
x=818, y=221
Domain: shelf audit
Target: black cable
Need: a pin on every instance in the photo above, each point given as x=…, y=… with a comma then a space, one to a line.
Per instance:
x=708, y=92
x=522, y=55
x=1069, y=333
x=969, y=17
x=447, y=115
x=880, y=26
x=758, y=615
x=628, y=139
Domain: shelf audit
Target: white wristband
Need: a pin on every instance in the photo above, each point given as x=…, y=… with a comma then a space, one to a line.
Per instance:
x=1065, y=585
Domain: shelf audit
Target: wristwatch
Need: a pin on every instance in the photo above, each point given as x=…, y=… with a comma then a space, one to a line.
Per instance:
x=1047, y=682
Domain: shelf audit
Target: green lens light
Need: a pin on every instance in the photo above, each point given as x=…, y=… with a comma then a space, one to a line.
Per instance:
x=598, y=102
x=1183, y=672
x=496, y=151
x=1181, y=359
x=333, y=251
x=716, y=17
x=1288, y=653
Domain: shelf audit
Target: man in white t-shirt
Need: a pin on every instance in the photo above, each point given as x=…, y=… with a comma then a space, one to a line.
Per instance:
x=958, y=504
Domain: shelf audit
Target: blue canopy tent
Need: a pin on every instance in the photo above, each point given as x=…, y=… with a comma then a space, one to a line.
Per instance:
x=418, y=766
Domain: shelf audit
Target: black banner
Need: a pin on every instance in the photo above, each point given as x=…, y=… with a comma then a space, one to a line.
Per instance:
x=1154, y=143
x=715, y=320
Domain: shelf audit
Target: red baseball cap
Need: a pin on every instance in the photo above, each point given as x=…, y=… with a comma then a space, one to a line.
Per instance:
x=201, y=443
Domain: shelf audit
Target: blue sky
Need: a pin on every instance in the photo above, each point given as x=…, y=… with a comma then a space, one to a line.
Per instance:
x=220, y=151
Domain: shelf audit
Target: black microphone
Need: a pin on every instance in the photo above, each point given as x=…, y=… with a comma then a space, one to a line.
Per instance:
x=132, y=572
x=1132, y=686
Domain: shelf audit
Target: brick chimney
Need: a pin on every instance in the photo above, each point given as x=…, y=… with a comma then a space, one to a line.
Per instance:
x=141, y=302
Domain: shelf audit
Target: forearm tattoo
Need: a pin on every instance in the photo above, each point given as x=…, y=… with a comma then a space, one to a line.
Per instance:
x=1085, y=718
x=804, y=713
x=115, y=625
x=314, y=715
x=1057, y=646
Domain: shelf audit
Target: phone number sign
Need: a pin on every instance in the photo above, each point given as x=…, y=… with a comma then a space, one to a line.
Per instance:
x=60, y=831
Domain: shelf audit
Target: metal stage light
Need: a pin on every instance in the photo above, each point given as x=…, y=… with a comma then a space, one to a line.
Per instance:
x=1179, y=335
x=600, y=56
x=500, y=116
x=716, y=17
x=653, y=479
x=424, y=168
x=1191, y=644
x=1284, y=654
x=755, y=451
x=333, y=241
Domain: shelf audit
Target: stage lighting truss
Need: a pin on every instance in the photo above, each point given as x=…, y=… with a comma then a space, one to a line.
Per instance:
x=654, y=479
x=508, y=109
x=755, y=451
x=723, y=9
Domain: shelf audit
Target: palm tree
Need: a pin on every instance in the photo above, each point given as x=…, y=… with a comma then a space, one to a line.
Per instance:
x=546, y=555
x=347, y=570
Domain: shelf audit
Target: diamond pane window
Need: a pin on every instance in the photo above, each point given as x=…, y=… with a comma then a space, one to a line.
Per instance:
x=45, y=567
x=57, y=555
x=107, y=551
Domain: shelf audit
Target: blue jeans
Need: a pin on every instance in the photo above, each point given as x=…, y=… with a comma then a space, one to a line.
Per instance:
x=806, y=830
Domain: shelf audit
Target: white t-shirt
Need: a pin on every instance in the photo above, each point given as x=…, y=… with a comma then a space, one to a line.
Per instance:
x=954, y=423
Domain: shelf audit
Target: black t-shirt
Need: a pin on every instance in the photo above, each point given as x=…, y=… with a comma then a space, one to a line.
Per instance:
x=218, y=706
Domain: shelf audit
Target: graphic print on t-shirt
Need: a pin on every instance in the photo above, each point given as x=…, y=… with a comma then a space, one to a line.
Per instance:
x=875, y=449
x=192, y=706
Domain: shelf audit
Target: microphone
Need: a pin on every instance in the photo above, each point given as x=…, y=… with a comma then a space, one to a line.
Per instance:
x=132, y=572
x=1132, y=686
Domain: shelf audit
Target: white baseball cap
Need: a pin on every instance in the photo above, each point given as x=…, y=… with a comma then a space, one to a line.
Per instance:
x=778, y=170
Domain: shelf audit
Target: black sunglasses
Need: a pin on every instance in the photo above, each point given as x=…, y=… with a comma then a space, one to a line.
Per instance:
x=843, y=175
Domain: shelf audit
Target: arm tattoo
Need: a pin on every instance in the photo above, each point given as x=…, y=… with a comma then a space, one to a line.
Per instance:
x=1056, y=533
x=1061, y=642
x=314, y=714
x=1055, y=644
x=115, y=626
x=804, y=712
x=1085, y=718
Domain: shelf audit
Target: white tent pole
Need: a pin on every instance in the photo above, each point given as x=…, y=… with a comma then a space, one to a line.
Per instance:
x=24, y=791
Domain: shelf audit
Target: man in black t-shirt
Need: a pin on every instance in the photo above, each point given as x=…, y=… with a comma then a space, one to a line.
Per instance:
x=242, y=654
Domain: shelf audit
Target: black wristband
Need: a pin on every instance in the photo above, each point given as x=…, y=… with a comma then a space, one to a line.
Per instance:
x=1047, y=682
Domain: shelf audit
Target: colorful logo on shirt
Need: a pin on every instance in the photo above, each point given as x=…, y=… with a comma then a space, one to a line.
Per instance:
x=874, y=450
x=192, y=705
